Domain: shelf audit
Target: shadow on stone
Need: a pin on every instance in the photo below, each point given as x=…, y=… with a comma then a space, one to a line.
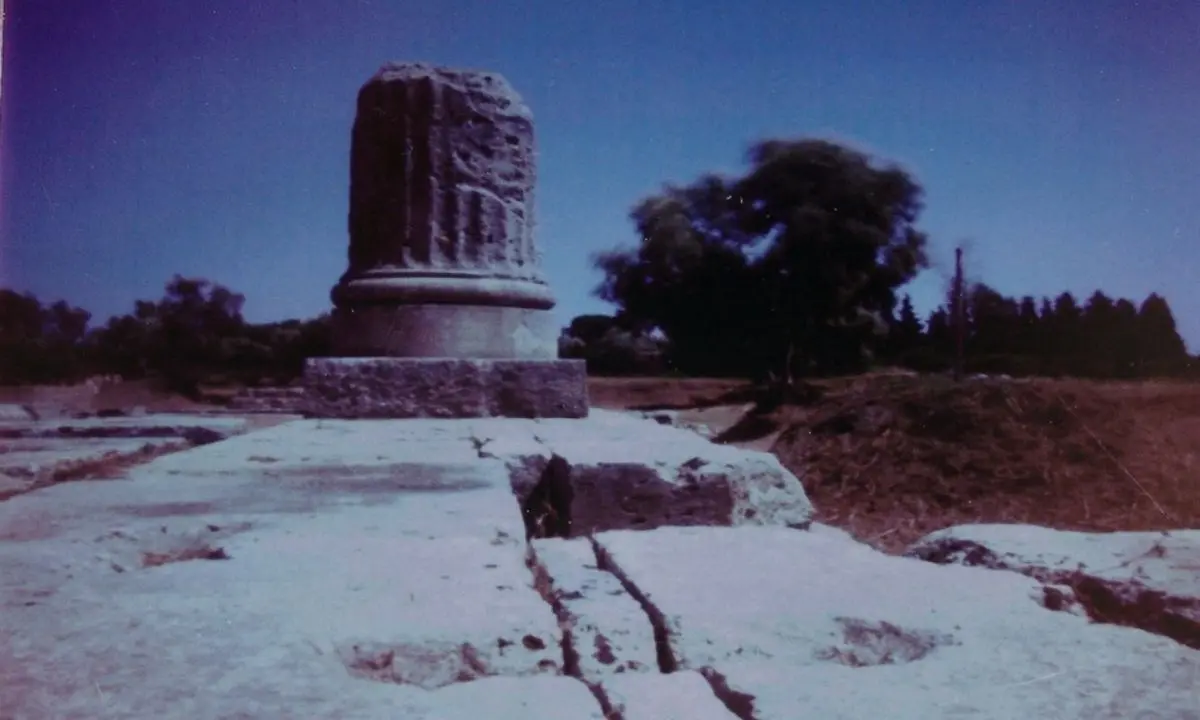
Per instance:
x=547, y=509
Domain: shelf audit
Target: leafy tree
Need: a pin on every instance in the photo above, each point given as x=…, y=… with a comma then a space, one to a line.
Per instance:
x=1125, y=339
x=788, y=268
x=40, y=344
x=992, y=321
x=611, y=349
x=182, y=338
x=1162, y=351
x=1029, y=337
x=1099, y=336
x=905, y=332
x=590, y=328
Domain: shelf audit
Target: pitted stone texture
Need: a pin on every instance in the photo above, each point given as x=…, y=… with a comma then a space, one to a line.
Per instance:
x=610, y=632
x=814, y=620
x=632, y=473
x=366, y=565
x=441, y=195
x=444, y=388
x=446, y=331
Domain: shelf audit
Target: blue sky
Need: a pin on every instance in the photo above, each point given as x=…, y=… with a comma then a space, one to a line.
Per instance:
x=142, y=138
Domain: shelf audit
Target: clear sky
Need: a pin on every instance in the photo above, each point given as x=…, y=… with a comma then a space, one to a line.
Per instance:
x=141, y=138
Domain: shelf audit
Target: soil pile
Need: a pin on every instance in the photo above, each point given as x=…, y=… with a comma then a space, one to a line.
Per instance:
x=891, y=458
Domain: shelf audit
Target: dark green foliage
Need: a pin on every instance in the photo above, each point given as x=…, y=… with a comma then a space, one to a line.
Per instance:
x=41, y=344
x=611, y=349
x=789, y=270
x=195, y=334
x=1103, y=339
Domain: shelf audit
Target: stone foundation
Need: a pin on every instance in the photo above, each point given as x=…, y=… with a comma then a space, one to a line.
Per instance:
x=376, y=388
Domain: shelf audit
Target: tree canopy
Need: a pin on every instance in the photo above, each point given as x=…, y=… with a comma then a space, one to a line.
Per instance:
x=789, y=268
x=193, y=334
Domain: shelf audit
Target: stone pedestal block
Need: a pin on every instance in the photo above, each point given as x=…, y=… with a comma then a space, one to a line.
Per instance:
x=444, y=388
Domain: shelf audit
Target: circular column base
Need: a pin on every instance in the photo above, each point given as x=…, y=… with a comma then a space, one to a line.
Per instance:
x=445, y=331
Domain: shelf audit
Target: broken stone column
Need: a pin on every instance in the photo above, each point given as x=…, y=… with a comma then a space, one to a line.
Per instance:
x=443, y=310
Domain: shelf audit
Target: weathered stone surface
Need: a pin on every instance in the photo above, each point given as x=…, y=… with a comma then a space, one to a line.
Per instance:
x=148, y=426
x=28, y=464
x=678, y=696
x=629, y=472
x=443, y=259
x=782, y=620
x=445, y=388
x=442, y=174
x=336, y=564
x=608, y=631
x=1149, y=580
x=10, y=412
x=338, y=568
x=443, y=263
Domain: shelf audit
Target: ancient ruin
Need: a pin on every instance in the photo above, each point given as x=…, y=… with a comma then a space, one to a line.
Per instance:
x=444, y=310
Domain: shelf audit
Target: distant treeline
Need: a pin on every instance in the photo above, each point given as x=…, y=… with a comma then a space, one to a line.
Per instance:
x=1102, y=339
x=195, y=335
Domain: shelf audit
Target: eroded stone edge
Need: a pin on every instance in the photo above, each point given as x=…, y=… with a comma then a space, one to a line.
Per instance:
x=1113, y=602
x=527, y=469
x=740, y=704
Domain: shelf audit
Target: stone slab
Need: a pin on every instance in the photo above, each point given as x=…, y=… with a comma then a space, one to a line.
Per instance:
x=145, y=426
x=341, y=585
x=10, y=412
x=677, y=696
x=1146, y=579
x=373, y=388
x=609, y=630
x=785, y=619
x=631, y=472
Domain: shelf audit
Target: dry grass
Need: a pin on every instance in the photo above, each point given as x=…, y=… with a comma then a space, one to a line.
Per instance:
x=892, y=457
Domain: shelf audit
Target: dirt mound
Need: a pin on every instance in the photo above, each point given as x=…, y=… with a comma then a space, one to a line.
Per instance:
x=890, y=458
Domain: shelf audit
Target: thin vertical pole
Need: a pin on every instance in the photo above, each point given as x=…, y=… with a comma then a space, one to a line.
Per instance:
x=959, y=314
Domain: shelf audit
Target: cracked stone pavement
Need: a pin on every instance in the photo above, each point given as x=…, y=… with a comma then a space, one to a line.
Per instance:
x=380, y=570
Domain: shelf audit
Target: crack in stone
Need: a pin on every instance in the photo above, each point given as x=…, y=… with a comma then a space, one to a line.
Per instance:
x=740, y=704
x=566, y=623
x=667, y=662
x=1113, y=602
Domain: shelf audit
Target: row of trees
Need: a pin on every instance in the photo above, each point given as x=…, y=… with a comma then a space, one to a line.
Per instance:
x=1102, y=339
x=793, y=269
x=790, y=270
x=194, y=334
